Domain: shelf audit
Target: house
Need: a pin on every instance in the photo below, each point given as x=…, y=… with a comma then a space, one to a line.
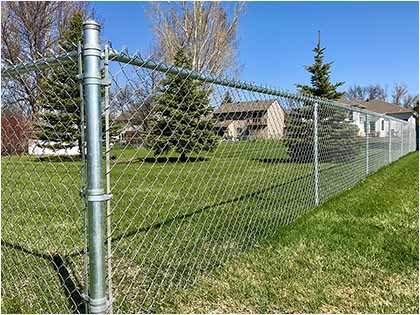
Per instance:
x=261, y=119
x=130, y=127
x=38, y=143
x=379, y=126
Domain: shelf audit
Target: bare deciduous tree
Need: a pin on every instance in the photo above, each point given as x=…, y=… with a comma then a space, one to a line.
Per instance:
x=370, y=92
x=376, y=92
x=399, y=92
x=409, y=101
x=134, y=101
x=356, y=92
x=31, y=30
x=203, y=28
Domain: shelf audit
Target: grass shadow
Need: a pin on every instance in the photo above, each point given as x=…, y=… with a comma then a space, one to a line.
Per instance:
x=273, y=160
x=56, y=158
x=162, y=160
x=208, y=207
x=72, y=289
x=195, y=244
x=286, y=160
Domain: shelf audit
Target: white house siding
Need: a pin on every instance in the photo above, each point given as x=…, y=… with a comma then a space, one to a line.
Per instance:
x=37, y=147
x=378, y=127
x=275, y=121
x=232, y=130
x=359, y=121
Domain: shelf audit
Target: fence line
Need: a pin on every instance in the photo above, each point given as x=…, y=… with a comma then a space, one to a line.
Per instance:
x=200, y=169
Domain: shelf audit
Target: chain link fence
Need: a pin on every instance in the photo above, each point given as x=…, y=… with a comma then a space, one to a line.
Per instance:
x=191, y=170
x=42, y=212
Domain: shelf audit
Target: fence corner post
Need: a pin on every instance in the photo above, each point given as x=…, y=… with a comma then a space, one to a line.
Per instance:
x=402, y=139
x=95, y=193
x=316, y=197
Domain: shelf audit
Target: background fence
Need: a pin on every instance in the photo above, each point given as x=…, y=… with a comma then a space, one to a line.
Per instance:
x=200, y=169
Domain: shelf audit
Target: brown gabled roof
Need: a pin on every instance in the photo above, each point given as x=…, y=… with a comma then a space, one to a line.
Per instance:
x=383, y=107
x=239, y=107
x=377, y=106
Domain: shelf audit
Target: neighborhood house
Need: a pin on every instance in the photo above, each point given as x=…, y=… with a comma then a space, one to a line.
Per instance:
x=249, y=120
x=261, y=119
x=130, y=128
x=379, y=126
x=265, y=119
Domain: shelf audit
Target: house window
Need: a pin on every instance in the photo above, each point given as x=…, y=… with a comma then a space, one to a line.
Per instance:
x=351, y=115
x=372, y=126
x=383, y=125
x=361, y=119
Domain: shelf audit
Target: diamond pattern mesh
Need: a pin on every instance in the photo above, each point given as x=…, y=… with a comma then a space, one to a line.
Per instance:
x=200, y=168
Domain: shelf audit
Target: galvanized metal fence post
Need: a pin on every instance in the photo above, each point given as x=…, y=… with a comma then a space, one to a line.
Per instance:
x=402, y=139
x=316, y=197
x=95, y=192
x=389, y=141
x=108, y=170
x=409, y=137
x=412, y=139
x=367, y=142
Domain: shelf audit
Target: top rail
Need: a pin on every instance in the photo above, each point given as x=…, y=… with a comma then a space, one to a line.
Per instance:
x=40, y=64
x=137, y=60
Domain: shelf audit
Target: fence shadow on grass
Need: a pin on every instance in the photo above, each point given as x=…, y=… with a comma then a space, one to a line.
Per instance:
x=194, y=244
x=56, y=158
x=274, y=160
x=162, y=160
x=72, y=288
x=191, y=214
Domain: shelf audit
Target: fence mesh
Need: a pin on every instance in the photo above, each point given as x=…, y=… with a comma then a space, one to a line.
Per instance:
x=200, y=171
x=42, y=212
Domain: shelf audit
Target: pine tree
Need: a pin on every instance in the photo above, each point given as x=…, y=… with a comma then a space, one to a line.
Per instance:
x=180, y=121
x=321, y=85
x=337, y=136
x=59, y=115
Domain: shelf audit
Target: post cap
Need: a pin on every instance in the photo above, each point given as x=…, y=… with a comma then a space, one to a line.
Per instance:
x=90, y=23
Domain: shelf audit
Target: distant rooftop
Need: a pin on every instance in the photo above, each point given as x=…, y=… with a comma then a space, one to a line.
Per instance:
x=250, y=106
x=377, y=106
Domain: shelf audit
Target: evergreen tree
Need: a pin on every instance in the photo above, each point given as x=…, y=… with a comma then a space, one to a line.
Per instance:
x=321, y=85
x=337, y=135
x=180, y=121
x=59, y=114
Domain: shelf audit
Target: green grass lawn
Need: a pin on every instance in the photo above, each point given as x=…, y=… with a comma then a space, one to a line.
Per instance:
x=357, y=253
x=172, y=223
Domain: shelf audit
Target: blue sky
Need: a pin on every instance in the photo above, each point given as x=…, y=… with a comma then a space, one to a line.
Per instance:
x=369, y=42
